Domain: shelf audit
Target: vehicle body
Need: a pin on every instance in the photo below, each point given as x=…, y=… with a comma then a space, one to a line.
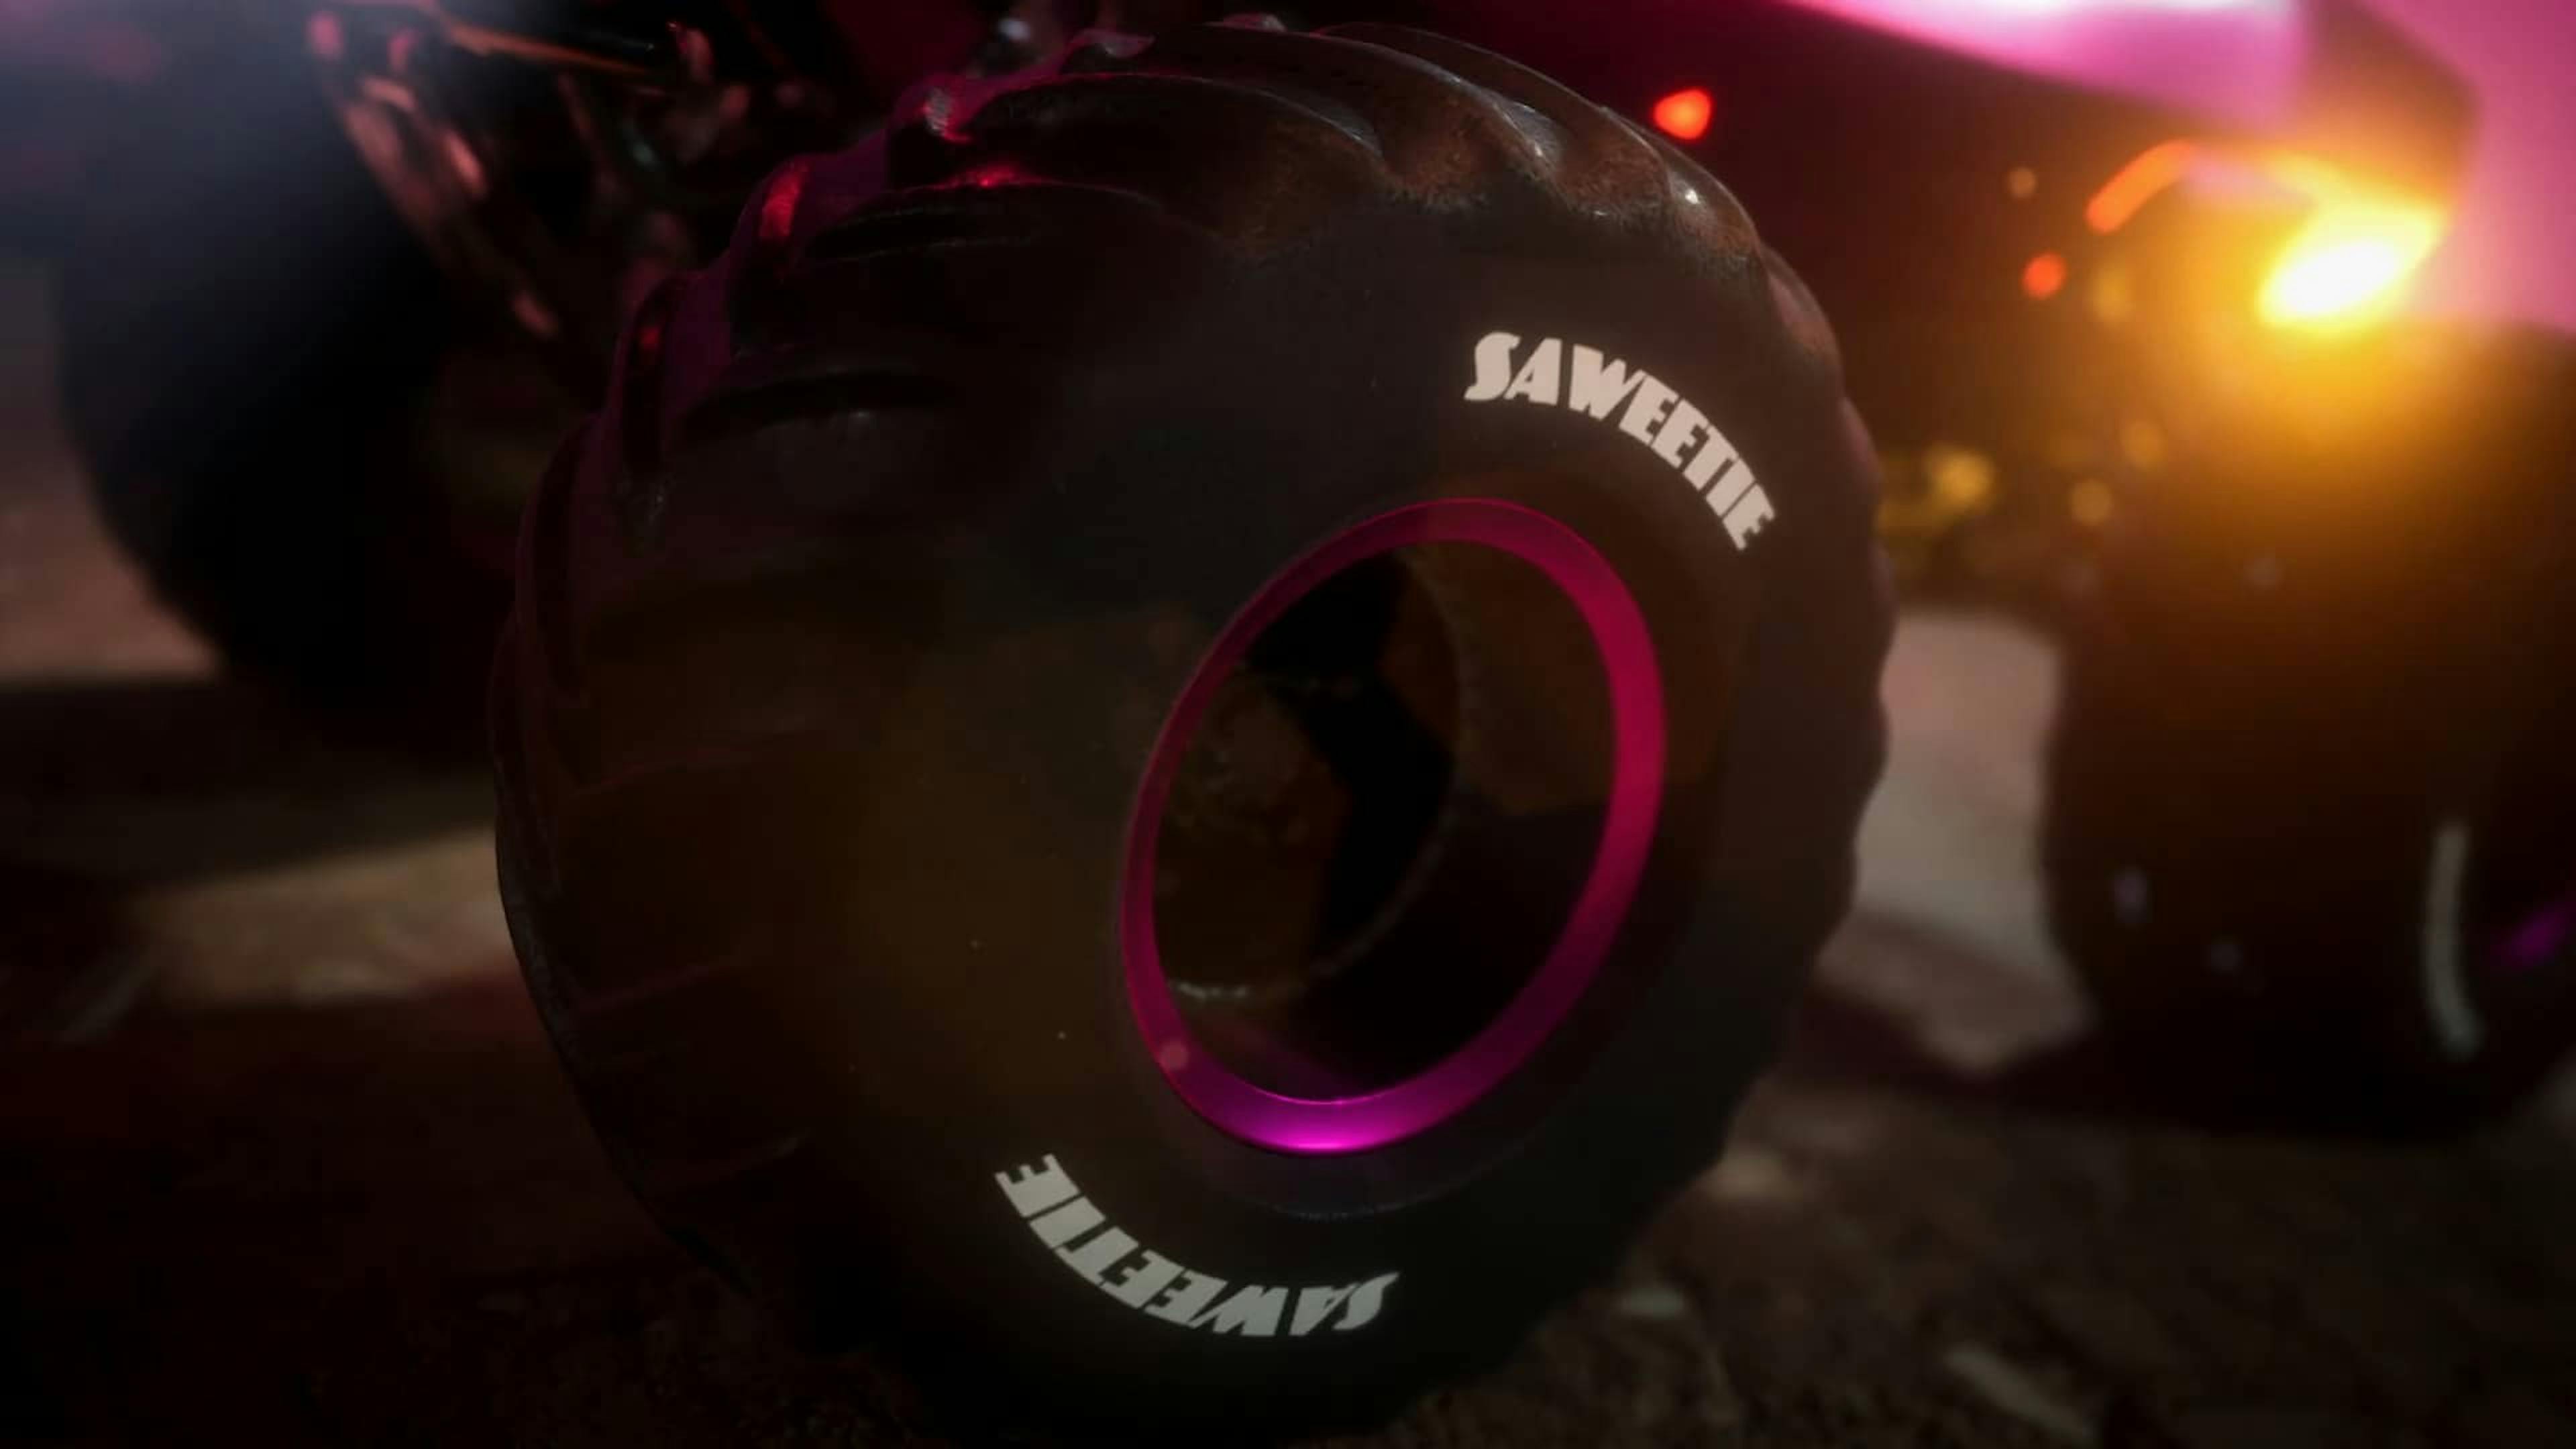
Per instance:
x=1941, y=171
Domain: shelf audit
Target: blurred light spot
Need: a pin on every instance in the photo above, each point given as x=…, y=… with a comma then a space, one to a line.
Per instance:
x=2129, y=895
x=110, y=50
x=2143, y=444
x=388, y=93
x=2043, y=275
x=1685, y=115
x=2537, y=940
x=2090, y=502
x=697, y=53
x=1653, y=1302
x=323, y=37
x=2113, y=294
x=2057, y=7
x=402, y=50
x=2022, y=183
x=2350, y=263
x=375, y=136
x=533, y=315
x=1961, y=478
x=2263, y=572
x=2137, y=183
x=2456, y=1023
x=2012, y=1389
x=463, y=164
x=778, y=208
x=1750, y=1172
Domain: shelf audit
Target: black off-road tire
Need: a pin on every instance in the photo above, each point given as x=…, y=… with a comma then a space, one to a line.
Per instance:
x=2310, y=829
x=250, y=345
x=846, y=630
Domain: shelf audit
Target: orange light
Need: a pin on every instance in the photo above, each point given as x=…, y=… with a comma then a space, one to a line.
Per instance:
x=2043, y=275
x=2137, y=183
x=2350, y=264
x=1685, y=115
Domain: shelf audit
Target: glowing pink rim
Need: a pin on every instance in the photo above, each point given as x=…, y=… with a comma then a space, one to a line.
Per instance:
x=1636, y=688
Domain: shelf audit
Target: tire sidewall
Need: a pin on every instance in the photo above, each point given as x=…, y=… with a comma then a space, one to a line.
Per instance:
x=1168, y=477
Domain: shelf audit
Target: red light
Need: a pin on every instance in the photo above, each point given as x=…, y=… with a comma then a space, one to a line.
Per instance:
x=778, y=208
x=1685, y=114
x=2043, y=276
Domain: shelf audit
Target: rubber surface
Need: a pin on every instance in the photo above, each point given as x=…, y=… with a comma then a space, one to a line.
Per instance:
x=845, y=632
x=251, y=341
x=2309, y=810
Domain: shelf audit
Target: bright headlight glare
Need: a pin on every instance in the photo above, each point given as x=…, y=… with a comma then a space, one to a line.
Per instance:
x=2350, y=263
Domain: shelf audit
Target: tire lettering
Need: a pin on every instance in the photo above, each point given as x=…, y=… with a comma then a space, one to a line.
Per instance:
x=1646, y=410
x=1182, y=1301
x=1253, y=1311
x=1094, y=1257
x=1044, y=1196
x=1596, y=385
x=1493, y=366
x=1679, y=431
x=1062, y=1225
x=1537, y=379
x=1032, y=1190
x=1670, y=426
x=1145, y=1280
x=1366, y=1300
x=1314, y=1305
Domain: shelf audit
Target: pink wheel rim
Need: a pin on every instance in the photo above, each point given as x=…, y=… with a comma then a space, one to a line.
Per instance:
x=1635, y=687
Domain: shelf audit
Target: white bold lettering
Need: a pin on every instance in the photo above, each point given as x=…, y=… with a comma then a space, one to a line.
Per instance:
x=1732, y=483
x=1651, y=412
x=1186, y=1298
x=1493, y=366
x=1314, y=1305
x=1366, y=1300
x=1713, y=459
x=1596, y=385
x=1062, y=1225
x=1537, y=379
x=1032, y=1190
x=1646, y=409
x=1097, y=1256
x=1679, y=431
x=1147, y=1276
x=1252, y=1311
x=1059, y=1215
x=1746, y=518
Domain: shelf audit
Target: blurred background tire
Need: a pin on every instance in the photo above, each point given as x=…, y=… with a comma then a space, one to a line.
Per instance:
x=2310, y=829
x=258, y=369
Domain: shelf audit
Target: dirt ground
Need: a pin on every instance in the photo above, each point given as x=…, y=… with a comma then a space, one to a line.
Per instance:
x=309, y=1171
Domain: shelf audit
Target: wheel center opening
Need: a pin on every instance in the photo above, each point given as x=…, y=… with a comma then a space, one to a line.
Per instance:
x=1381, y=819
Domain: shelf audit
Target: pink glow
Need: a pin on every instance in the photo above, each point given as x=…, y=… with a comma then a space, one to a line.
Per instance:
x=2235, y=59
x=2538, y=940
x=1635, y=681
x=2507, y=255
x=2239, y=60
